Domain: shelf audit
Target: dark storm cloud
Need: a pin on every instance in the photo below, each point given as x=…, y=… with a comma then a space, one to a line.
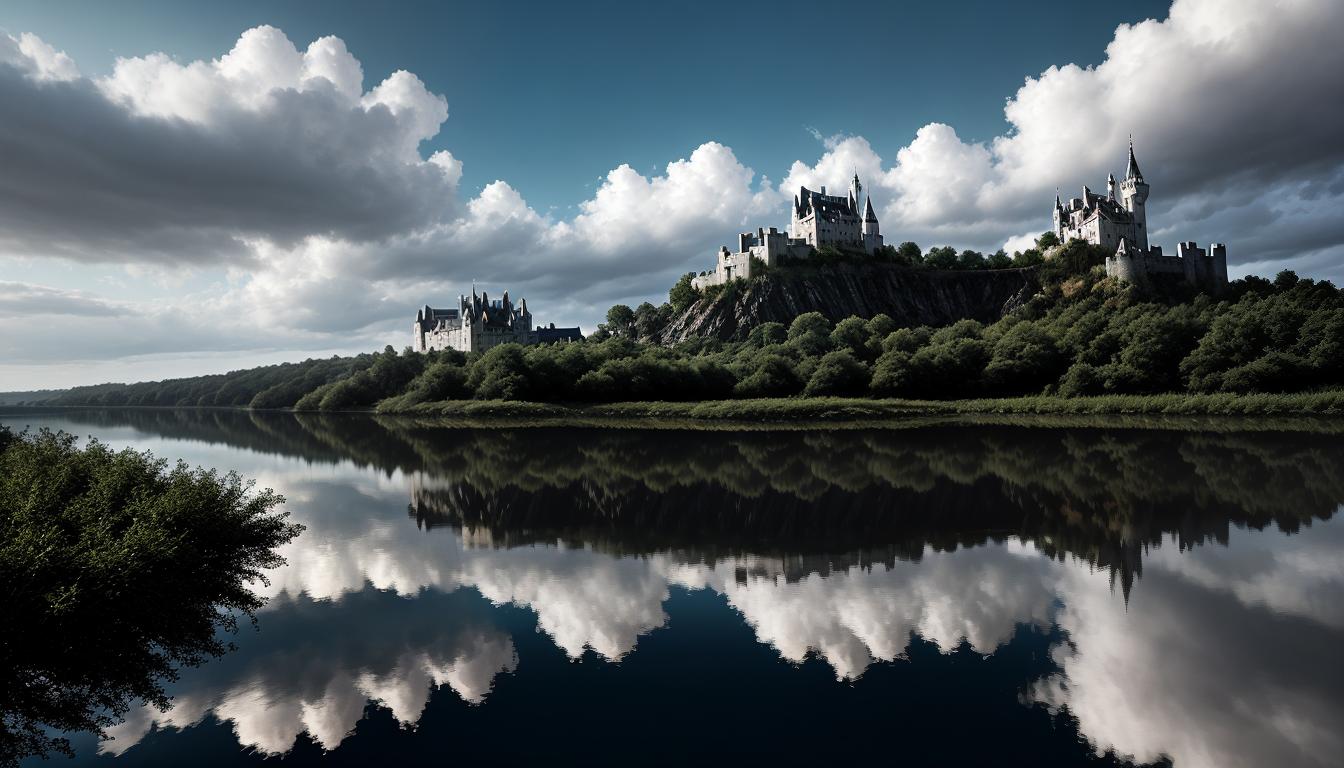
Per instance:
x=86, y=178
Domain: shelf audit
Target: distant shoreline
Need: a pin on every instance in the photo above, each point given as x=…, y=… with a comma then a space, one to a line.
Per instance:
x=1314, y=411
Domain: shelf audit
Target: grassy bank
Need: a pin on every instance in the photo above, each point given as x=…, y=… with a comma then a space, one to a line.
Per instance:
x=864, y=411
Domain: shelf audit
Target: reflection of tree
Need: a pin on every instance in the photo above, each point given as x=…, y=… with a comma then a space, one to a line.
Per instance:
x=1102, y=494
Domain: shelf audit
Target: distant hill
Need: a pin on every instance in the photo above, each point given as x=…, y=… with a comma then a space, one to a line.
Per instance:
x=910, y=297
x=34, y=397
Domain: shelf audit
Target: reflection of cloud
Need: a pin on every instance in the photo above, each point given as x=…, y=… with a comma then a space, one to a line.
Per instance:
x=1210, y=671
x=1303, y=579
x=1224, y=655
x=316, y=665
x=582, y=598
x=854, y=617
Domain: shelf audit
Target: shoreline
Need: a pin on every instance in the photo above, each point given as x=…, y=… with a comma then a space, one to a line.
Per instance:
x=1321, y=411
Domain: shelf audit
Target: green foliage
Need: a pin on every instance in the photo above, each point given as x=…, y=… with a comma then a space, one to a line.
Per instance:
x=1081, y=334
x=620, y=319
x=772, y=375
x=810, y=334
x=851, y=334
x=1047, y=240
x=682, y=295
x=117, y=571
x=941, y=258
x=501, y=374
x=909, y=253
x=766, y=334
x=838, y=373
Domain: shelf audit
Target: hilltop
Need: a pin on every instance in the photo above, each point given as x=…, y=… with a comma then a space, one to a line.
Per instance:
x=910, y=297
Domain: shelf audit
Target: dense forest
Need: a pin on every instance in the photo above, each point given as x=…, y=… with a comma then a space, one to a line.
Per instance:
x=1081, y=334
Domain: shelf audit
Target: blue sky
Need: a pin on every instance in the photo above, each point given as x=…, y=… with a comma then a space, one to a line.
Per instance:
x=194, y=187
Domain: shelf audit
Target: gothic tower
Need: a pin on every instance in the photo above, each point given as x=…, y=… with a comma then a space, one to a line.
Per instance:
x=1134, y=193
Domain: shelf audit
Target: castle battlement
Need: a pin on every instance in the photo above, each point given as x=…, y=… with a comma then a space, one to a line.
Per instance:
x=1122, y=224
x=819, y=220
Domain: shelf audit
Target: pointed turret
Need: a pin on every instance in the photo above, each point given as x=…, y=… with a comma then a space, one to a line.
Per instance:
x=1110, y=185
x=1132, y=169
x=868, y=215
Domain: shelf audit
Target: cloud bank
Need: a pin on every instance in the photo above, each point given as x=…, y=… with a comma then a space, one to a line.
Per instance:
x=304, y=208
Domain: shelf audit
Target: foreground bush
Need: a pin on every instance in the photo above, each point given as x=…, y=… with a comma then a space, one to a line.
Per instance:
x=116, y=571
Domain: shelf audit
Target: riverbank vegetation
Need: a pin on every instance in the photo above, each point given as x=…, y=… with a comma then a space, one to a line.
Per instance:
x=1081, y=335
x=116, y=571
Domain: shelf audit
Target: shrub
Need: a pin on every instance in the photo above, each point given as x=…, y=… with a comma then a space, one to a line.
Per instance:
x=117, y=571
x=838, y=373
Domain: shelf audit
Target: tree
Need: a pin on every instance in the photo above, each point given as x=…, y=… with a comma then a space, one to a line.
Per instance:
x=500, y=374
x=620, y=319
x=810, y=333
x=118, y=571
x=766, y=334
x=682, y=295
x=1027, y=258
x=971, y=260
x=1047, y=240
x=941, y=258
x=909, y=253
x=852, y=334
x=838, y=373
x=999, y=260
x=774, y=376
x=646, y=321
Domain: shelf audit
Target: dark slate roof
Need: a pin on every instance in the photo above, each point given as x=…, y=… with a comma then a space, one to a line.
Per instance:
x=1132, y=170
x=548, y=335
x=826, y=205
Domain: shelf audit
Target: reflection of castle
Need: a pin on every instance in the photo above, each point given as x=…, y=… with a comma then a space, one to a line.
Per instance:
x=479, y=324
x=1122, y=225
x=819, y=220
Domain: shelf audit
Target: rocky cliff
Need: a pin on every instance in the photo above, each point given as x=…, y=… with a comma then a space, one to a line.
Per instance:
x=911, y=297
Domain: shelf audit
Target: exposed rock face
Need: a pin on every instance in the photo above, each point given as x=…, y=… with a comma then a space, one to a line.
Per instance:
x=911, y=297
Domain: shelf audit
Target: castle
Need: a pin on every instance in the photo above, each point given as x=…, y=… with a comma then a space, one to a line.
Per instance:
x=477, y=324
x=819, y=220
x=1122, y=225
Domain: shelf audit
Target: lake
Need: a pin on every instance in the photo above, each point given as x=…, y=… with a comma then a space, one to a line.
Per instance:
x=948, y=594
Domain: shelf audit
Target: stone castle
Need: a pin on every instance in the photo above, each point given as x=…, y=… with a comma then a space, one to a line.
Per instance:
x=819, y=220
x=1122, y=224
x=477, y=324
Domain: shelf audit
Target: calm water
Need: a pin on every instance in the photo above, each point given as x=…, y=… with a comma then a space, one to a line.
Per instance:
x=940, y=595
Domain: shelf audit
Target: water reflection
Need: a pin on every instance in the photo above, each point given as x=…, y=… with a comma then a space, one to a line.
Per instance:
x=1132, y=587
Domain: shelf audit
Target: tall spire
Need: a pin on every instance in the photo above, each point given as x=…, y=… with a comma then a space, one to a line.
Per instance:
x=1132, y=170
x=868, y=214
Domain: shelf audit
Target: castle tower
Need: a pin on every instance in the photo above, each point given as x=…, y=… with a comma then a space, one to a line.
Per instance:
x=1110, y=185
x=1121, y=266
x=855, y=193
x=1134, y=193
x=1059, y=217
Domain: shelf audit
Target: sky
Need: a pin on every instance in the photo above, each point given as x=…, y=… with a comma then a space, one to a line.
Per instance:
x=195, y=188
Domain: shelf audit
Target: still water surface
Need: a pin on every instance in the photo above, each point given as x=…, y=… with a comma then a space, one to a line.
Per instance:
x=934, y=595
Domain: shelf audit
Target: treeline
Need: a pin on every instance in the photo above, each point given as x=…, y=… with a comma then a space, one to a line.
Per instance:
x=1082, y=334
x=271, y=386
